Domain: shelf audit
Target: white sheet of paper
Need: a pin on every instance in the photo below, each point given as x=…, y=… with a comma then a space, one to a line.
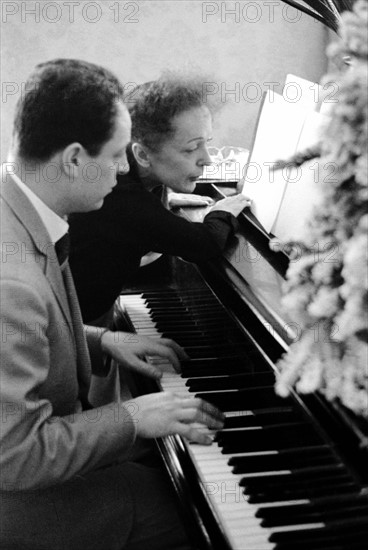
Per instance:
x=303, y=190
x=303, y=92
x=278, y=133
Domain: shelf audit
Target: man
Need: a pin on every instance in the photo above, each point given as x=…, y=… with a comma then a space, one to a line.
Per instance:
x=65, y=479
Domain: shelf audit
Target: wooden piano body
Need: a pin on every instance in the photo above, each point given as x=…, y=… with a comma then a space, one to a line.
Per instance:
x=297, y=466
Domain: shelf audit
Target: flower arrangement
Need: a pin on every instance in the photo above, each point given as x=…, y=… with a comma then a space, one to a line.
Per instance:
x=327, y=289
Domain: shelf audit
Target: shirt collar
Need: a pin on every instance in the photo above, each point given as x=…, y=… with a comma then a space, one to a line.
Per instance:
x=56, y=226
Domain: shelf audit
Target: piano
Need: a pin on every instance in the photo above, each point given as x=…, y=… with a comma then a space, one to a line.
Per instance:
x=283, y=474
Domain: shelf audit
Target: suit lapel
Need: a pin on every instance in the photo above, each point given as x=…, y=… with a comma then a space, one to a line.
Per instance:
x=31, y=221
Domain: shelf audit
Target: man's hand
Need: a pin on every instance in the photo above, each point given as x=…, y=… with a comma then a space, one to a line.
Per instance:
x=188, y=199
x=166, y=413
x=131, y=351
x=234, y=204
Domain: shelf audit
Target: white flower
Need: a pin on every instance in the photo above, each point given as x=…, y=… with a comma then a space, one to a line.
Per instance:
x=352, y=319
x=355, y=270
x=323, y=272
x=312, y=376
x=325, y=303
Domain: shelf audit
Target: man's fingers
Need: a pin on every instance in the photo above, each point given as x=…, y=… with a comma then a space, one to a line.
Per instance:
x=147, y=369
x=170, y=350
x=188, y=416
x=204, y=412
x=170, y=354
x=180, y=352
x=155, y=348
x=193, y=434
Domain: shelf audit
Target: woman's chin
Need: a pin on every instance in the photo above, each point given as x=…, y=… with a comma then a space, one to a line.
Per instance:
x=188, y=186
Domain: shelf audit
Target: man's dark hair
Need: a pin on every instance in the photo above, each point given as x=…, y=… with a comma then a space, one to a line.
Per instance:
x=153, y=105
x=66, y=100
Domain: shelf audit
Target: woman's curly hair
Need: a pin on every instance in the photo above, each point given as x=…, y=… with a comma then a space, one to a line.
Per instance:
x=154, y=105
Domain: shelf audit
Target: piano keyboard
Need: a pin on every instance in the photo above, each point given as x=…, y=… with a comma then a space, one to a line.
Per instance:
x=271, y=475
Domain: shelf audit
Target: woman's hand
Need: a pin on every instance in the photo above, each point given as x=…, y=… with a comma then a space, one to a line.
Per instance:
x=234, y=204
x=166, y=413
x=131, y=351
x=188, y=199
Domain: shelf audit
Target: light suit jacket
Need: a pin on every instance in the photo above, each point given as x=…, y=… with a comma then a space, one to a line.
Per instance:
x=46, y=437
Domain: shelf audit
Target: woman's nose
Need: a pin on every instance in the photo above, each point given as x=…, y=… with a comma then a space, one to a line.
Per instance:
x=123, y=167
x=205, y=159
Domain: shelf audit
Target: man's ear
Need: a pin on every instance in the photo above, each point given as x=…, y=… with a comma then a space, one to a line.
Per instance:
x=141, y=155
x=71, y=159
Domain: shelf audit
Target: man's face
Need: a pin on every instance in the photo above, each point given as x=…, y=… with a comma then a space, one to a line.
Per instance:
x=97, y=175
x=180, y=160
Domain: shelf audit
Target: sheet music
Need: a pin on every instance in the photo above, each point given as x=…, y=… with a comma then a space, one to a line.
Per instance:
x=303, y=189
x=303, y=92
x=285, y=127
x=278, y=134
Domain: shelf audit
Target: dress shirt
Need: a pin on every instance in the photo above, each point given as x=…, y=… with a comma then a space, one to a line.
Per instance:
x=56, y=226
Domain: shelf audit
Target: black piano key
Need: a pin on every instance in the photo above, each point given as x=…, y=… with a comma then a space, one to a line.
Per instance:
x=334, y=531
x=297, y=476
x=245, y=399
x=190, y=343
x=323, y=544
x=185, y=323
x=230, y=382
x=195, y=330
x=170, y=308
x=206, y=366
x=157, y=302
x=315, y=515
x=211, y=333
x=284, y=459
x=211, y=330
x=164, y=300
x=213, y=325
x=190, y=336
x=293, y=484
x=209, y=337
x=262, y=418
x=270, y=438
x=329, y=487
x=176, y=321
x=319, y=504
x=205, y=312
x=307, y=478
x=166, y=292
x=214, y=351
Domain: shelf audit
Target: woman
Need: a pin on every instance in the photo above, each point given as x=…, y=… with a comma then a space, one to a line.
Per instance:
x=171, y=128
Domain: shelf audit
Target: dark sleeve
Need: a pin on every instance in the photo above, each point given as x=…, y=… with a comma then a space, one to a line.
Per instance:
x=222, y=225
x=107, y=244
x=168, y=233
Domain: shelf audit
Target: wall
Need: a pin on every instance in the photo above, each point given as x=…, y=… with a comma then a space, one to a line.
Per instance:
x=240, y=48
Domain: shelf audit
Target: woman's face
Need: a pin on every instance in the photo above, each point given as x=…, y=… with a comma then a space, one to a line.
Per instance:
x=180, y=160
